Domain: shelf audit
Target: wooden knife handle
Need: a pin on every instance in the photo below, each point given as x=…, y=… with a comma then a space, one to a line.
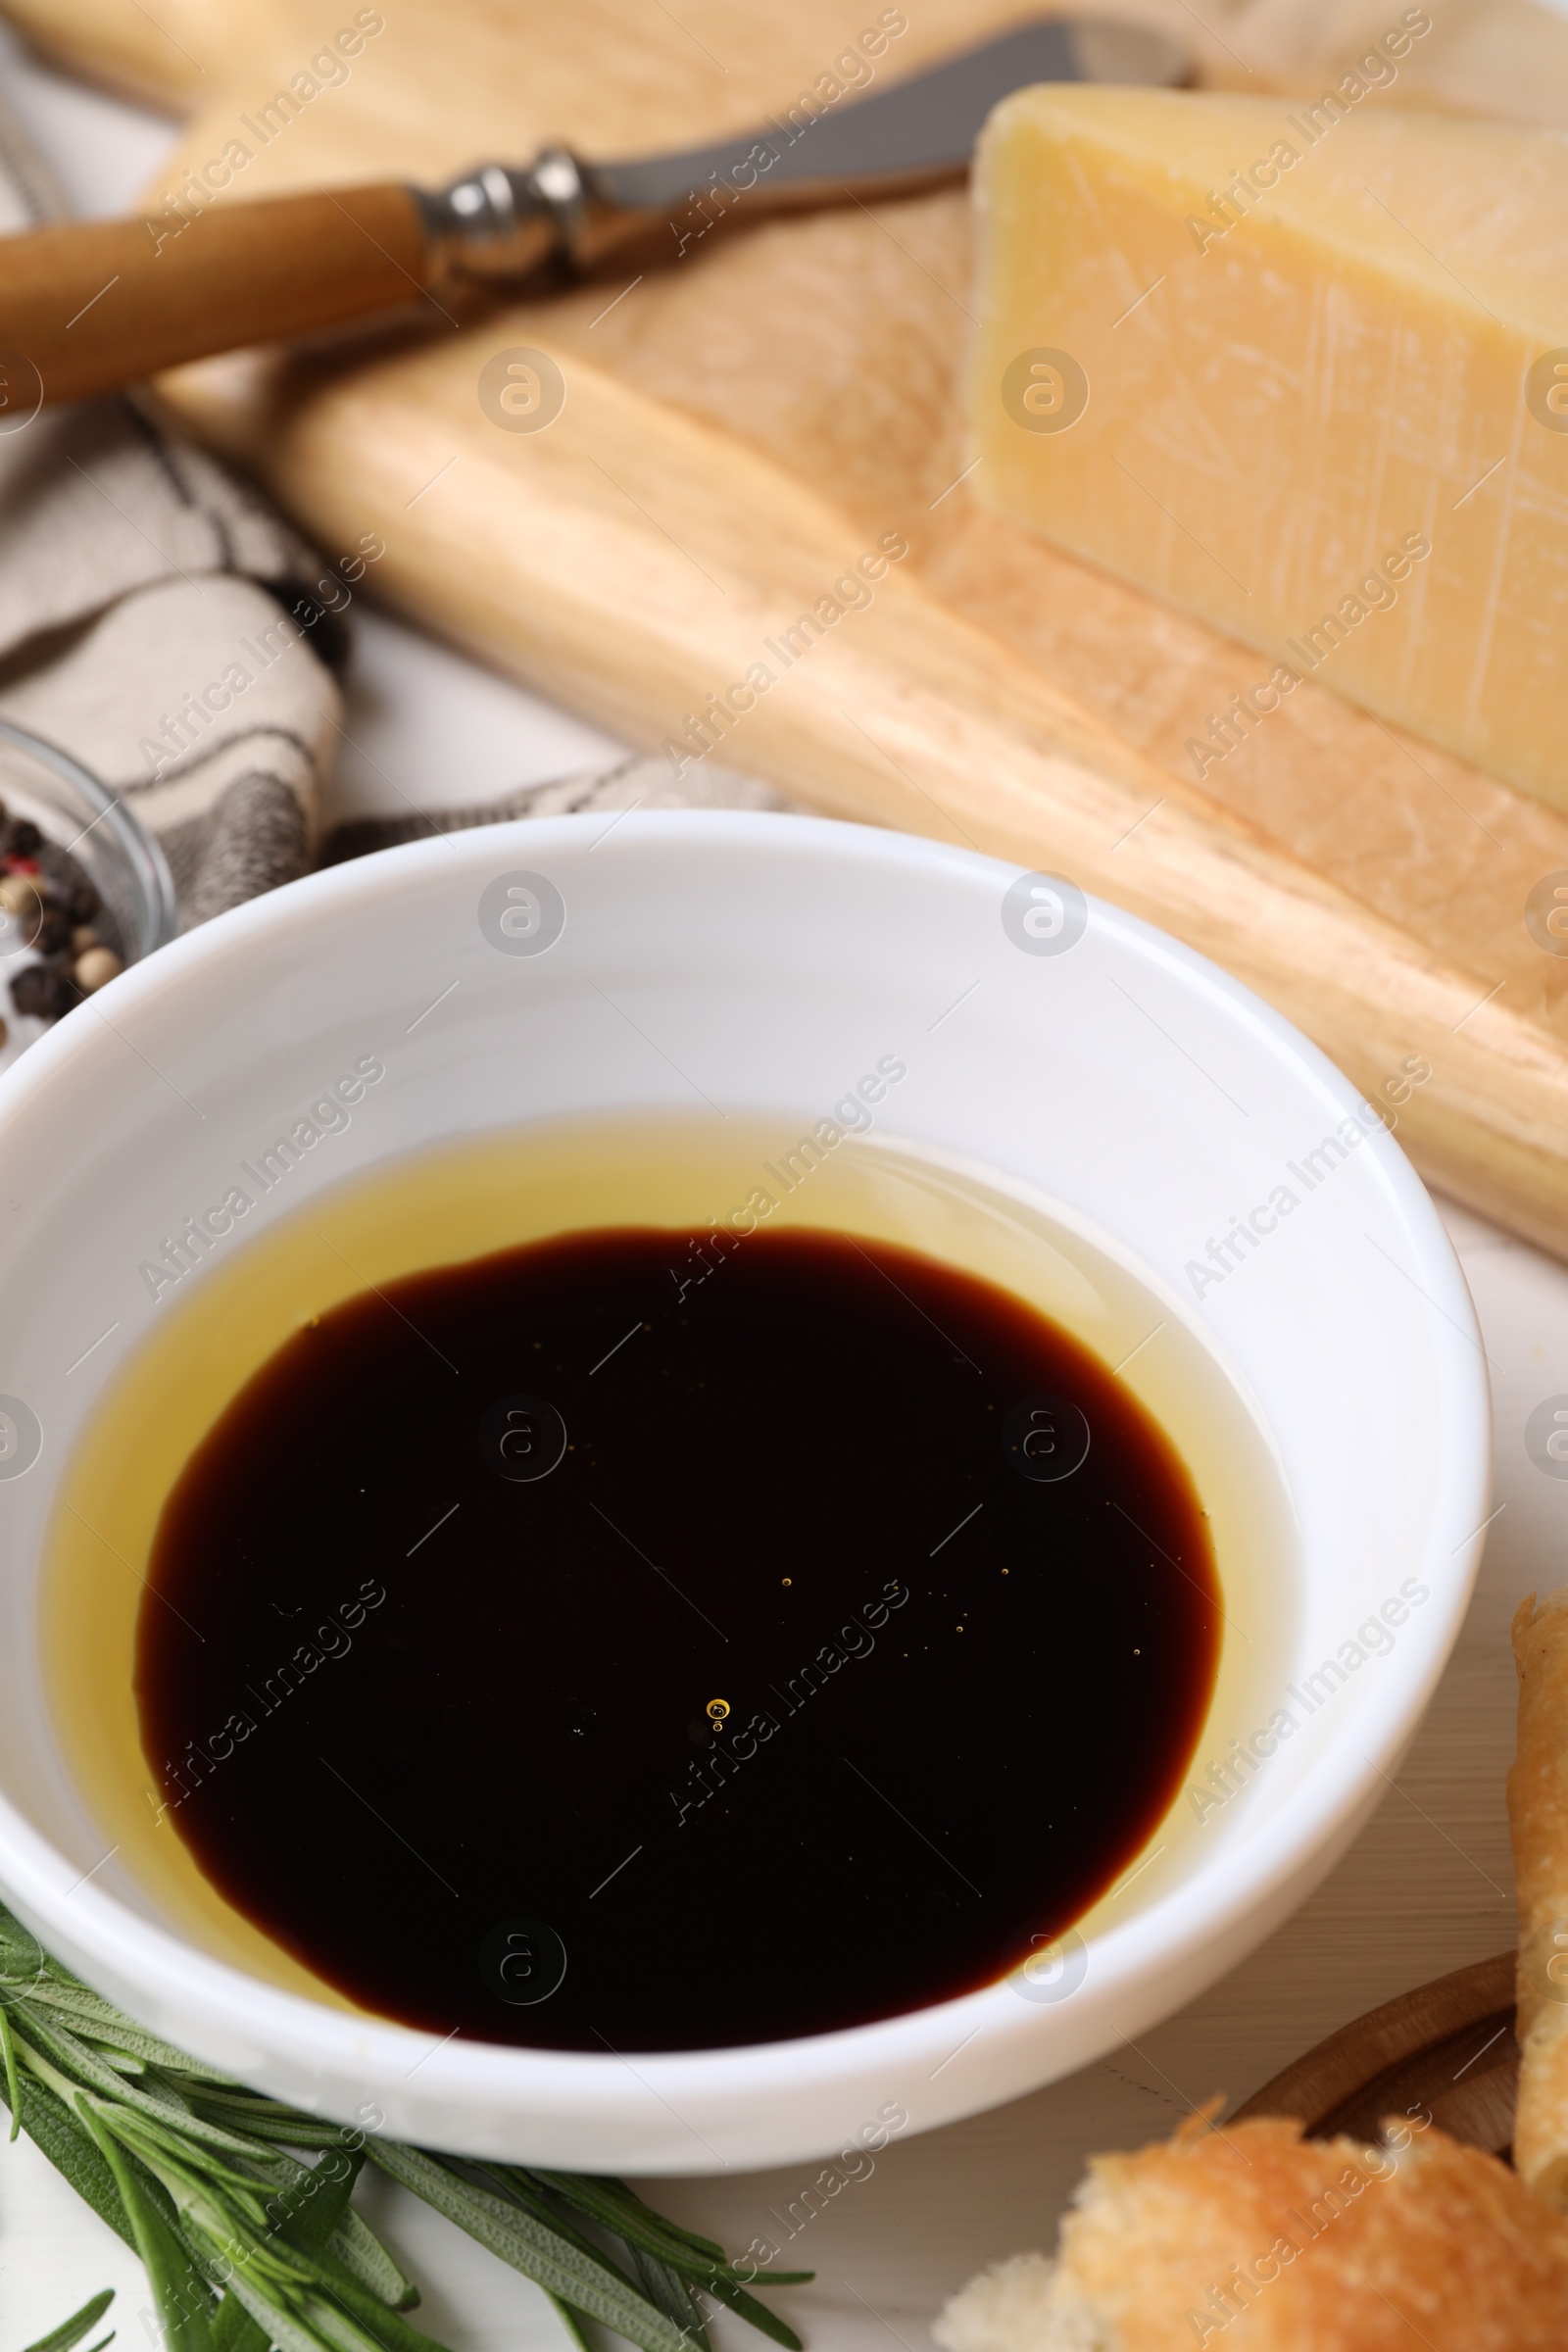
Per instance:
x=87, y=305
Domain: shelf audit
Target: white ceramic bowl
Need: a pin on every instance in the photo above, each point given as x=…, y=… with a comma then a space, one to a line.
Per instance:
x=1111, y=1081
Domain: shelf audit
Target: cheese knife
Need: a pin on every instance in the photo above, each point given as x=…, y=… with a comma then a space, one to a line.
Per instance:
x=89, y=306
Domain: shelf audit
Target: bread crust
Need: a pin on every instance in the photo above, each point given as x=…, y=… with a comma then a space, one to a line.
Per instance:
x=1252, y=2240
x=1538, y=1817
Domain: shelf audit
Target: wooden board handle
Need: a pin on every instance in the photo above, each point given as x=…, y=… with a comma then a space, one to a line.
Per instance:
x=89, y=306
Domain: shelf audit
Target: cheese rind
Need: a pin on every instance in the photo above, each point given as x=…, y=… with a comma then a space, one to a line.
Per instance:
x=1297, y=370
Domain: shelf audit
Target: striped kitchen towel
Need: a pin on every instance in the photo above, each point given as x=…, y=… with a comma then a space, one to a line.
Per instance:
x=162, y=624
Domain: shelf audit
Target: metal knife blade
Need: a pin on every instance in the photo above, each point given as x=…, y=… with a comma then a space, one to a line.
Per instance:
x=497, y=222
x=922, y=128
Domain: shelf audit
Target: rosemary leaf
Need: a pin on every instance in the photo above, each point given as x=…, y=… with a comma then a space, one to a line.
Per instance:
x=84, y=2066
x=21, y=1955
x=747, y=2307
x=197, y=2183
x=75, y=2155
x=572, y=2324
x=370, y=2315
x=309, y=2208
x=359, y=2250
x=8, y=2051
x=628, y=2196
x=616, y=2210
x=541, y=2254
x=29, y=1973
x=262, y=2119
x=669, y=2292
x=70, y=2332
x=307, y=2205
x=337, y=2328
x=620, y=2209
x=272, y=2320
x=234, y=2330
x=95, y=2020
x=180, y=2293
x=517, y=2186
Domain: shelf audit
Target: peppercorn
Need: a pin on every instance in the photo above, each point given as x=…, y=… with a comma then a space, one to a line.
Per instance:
x=20, y=903
x=43, y=992
x=48, y=903
x=96, y=968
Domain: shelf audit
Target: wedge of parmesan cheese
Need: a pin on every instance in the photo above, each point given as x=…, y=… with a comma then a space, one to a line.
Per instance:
x=1300, y=367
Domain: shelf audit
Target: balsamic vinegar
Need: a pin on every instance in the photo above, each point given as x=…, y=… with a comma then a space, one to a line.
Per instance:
x=646, y=1640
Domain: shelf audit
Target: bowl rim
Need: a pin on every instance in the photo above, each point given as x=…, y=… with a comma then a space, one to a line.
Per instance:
x=1237, y=1884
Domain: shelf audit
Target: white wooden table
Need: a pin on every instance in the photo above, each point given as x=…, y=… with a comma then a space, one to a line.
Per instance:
x=1426, y=1889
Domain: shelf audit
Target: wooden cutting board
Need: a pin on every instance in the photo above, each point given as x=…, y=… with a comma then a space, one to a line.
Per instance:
x=738, y=427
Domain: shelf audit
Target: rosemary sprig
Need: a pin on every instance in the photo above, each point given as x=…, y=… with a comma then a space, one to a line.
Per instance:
x=250, y=2248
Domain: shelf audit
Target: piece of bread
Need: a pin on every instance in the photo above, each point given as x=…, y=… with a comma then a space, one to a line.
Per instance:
x=1537, y=1815
x=1256, y=2240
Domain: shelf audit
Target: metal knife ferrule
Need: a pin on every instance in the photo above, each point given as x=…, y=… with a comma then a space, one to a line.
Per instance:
x=496, y=222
